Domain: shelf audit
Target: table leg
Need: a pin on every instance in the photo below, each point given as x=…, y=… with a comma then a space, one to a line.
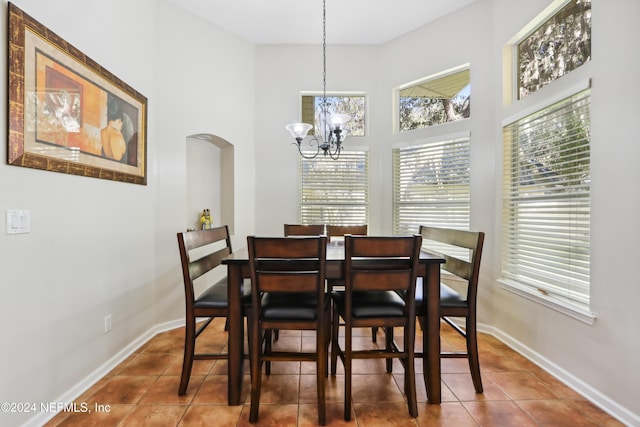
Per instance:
x=236, y=334
x=431, y=333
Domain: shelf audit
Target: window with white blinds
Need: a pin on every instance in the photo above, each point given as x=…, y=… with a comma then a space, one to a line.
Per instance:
x=546, y=212
x=431, y=185
x=335, y=191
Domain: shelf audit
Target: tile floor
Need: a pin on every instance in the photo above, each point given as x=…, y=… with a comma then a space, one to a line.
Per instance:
x=142, y=391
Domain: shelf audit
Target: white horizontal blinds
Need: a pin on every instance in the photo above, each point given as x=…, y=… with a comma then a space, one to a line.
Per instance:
x=431, y=186
x=546, y=213
x=335, y=191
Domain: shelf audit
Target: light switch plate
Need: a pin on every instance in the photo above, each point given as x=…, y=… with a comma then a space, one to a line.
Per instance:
x=18, y=221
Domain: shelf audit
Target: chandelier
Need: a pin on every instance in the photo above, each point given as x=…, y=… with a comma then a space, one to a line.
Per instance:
x=330, y=127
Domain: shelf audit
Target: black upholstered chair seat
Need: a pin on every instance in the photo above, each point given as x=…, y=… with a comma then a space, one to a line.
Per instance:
x=294, y=306
x=448, y=297
x=371, y=304
x=216, y=295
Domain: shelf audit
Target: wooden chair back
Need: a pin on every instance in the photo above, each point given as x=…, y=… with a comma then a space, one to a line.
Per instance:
x=387, y=263
x=303, y=230
x=217, y=240
x=283, y=264
x=462, y=251
x=342, y=230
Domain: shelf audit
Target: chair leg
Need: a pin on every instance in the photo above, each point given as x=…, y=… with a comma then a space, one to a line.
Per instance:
x=256, y=368
x=321, y=371
x=388, y=344
x=425, y=363
x=409, y=370
x=347, y=373
x=189, y=349
x=267, y=350
x=335, y=329
x=249, y=341
x=472, y=353
x=374, y=334
x=327, y=341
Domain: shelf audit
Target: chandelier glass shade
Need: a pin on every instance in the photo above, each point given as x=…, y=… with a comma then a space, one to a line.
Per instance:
x=330, y=128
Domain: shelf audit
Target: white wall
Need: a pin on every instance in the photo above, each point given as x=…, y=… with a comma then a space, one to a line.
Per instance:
x=205, y=85
x=283, y=72
x=99, y=247
x=82, y=259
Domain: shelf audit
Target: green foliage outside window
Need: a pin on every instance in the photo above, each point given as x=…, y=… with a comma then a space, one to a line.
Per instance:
x=555, y=48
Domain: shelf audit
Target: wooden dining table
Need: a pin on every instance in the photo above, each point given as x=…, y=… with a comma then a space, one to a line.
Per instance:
x=238, y=269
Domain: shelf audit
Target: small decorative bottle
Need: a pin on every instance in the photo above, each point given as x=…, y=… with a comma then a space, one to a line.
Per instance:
x=207, y=220
x=203, y=220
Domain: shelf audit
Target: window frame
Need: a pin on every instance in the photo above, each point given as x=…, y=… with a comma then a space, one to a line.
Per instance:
x=556, y=90
x=581, y=312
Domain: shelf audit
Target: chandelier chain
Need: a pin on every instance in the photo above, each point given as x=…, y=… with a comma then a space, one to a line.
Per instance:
x=324, y=51
x=330, y=127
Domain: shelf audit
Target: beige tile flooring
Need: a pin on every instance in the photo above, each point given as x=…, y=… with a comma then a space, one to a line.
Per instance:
x=142, y=391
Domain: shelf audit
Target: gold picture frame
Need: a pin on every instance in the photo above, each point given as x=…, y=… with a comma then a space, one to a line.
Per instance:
x=67, y=113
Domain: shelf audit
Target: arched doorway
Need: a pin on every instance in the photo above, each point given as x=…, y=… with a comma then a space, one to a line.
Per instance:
x=210, y=180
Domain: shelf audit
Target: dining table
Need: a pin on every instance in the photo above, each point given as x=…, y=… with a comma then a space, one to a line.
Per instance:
x=429, y=269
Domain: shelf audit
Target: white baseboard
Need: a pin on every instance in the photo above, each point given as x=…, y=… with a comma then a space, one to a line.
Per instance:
x=70, y=395
x=619, y=412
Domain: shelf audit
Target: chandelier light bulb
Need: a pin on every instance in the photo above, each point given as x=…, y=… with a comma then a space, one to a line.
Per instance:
x=298, y=130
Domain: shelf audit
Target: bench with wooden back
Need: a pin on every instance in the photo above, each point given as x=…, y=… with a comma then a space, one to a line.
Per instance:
x=201, y=252
x=462, y=251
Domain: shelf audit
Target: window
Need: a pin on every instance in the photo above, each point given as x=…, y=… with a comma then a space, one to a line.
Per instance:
x=431, y=185
x=435, y=100
x=555, y=48
x=335, y=191
x=546, y=214
x=354, y=106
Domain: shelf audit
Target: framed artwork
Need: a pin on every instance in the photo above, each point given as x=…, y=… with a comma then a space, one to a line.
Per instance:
x=67, y=113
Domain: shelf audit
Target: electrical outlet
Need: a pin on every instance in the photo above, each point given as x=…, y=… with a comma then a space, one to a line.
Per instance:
x=107, y=323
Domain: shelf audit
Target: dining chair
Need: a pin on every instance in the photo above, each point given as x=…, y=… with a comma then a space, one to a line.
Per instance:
x=201, y=253
x=338, y=231
x=462, y=251
x=300, y=230
x=303, y=229
x=380, y=275
x=287, y=293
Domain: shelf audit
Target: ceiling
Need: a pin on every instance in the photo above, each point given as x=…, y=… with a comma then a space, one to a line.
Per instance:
x=300, y=21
